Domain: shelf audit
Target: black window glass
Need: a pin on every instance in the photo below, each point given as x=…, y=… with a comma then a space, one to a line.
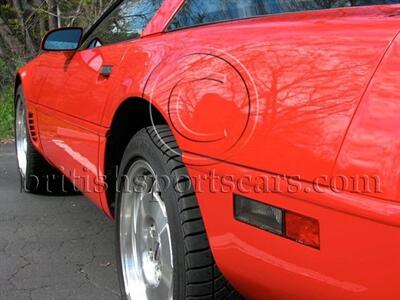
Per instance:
x=125, y=22
x=197, y=12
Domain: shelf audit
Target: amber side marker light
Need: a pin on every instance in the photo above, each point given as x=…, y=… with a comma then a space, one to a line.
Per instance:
x=293, y=226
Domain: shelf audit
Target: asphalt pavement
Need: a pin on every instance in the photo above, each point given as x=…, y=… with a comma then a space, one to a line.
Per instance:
x=52, y=247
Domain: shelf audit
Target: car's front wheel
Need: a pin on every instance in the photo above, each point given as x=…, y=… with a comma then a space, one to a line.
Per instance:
x=163, y=251
x=37, y=175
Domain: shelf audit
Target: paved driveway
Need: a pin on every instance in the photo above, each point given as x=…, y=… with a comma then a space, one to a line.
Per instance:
x=52, y=247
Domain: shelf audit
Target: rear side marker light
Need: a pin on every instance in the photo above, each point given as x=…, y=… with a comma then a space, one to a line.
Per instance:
x=296, y=227
x=302, y=229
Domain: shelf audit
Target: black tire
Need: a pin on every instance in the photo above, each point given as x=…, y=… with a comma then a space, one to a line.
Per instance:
x=41, y=177
x=196, y=276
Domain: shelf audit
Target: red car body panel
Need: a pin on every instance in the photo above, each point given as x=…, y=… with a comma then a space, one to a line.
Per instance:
x=372, y=145
x=307, y=95
x=358, y=257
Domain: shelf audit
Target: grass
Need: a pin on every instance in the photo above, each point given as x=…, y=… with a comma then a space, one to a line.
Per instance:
x=6, y=113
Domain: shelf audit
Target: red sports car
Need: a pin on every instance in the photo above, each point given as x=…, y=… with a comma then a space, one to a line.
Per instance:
x=247, y=147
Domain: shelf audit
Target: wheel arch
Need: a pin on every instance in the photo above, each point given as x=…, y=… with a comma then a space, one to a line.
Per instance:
x=131, y=116
x=17, y=82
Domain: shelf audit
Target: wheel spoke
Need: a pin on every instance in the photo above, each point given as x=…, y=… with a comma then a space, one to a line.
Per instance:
x=166, y=252
x=160, y=214
x=163, y=290
x=140, y=228
x=135, y=216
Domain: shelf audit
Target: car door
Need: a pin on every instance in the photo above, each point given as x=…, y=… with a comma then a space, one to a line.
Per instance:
x=51, y=70
x=89, y=78
x=92, y=71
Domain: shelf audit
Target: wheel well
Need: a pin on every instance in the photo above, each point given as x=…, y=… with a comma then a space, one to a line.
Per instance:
x=18, y=82
x=133, y=115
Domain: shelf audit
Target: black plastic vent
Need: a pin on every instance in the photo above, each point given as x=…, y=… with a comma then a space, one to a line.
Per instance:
x=32, y=127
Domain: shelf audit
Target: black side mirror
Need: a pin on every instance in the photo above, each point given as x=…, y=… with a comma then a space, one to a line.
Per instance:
x=63, y=39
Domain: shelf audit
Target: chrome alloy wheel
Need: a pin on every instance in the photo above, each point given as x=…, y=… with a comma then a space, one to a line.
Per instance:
x=21, y=138
x=145, y=239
